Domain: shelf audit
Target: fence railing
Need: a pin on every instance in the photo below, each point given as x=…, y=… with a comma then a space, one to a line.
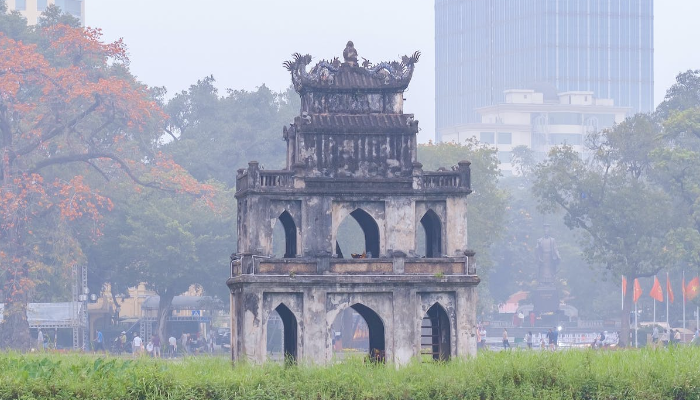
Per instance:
x=253, y=178
x=447, y=179
x=276, y=179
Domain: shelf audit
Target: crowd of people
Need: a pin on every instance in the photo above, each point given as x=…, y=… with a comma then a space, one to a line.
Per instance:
x=550, y=340
x=154, y=347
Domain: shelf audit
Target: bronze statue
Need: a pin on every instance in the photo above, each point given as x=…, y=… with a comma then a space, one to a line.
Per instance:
x=547, y=257
x=350, y=54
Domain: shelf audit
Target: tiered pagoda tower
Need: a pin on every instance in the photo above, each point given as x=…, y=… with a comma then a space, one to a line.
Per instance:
x=352, y=153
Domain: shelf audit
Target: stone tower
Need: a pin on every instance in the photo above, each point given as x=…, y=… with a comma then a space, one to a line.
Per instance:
x=352, y=153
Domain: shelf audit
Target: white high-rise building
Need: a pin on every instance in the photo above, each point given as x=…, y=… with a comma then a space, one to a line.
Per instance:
x=483, y=47
x=538, y=119
x=32, y=9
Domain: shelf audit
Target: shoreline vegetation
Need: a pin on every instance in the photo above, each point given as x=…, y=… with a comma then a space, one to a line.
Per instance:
x=587, y=374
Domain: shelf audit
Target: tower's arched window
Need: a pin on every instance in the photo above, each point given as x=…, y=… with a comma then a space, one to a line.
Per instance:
x=350, y=241
x=285, y=231
x=435, y=334
x=433, y=234
x=358, y=329
x=282, y=334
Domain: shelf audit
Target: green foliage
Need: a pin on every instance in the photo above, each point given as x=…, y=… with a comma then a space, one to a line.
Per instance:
x=487, y=203
x=53, y=15
x=677, y=169
x=644, y=374
x=213, y=136
x=609, y=198
x=684, y=94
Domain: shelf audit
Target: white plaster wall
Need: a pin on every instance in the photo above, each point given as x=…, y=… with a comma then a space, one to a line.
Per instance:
x=456, y=224
x=401, y=229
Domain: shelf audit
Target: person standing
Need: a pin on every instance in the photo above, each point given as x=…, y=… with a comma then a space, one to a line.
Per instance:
x=122, y=342
x=156, y=345
x=677, y=337
x=137, y=345
x=655, y=336
x=172, y=346
x=40, y=341
x=665, y=338
x=506, y=343
x=99, y=341
x=528, y=339
x=183, y=341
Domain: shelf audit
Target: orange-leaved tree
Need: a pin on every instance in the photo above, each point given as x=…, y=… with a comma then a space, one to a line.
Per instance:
x=68, y=108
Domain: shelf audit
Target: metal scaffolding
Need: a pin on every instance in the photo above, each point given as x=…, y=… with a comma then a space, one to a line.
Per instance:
x=79, y=315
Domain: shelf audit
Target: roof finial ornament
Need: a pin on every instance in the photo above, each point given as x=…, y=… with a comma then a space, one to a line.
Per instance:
x=350, y=54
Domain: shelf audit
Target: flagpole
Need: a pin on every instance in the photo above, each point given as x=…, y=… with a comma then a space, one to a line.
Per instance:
x=683, y=290
x=636, y=343
x=669, y=326
x=622, y=304
x=654, y=311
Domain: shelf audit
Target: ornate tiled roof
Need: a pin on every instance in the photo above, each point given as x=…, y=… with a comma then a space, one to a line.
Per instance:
x=351, y=75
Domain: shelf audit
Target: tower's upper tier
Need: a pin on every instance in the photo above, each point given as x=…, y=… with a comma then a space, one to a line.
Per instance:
x=351, y=87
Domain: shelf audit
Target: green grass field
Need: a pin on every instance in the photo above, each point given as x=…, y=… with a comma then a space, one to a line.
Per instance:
x=585, y=374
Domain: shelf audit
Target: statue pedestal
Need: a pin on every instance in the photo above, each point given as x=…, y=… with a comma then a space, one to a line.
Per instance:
x=545, y=299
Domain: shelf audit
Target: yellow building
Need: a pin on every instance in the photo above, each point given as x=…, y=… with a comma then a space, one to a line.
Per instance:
x=32, y=9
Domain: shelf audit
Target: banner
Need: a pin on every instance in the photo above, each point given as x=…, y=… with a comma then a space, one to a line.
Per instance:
x=656, y=292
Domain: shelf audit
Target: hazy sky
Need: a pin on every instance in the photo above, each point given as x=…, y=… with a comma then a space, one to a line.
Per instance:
x=173, y=43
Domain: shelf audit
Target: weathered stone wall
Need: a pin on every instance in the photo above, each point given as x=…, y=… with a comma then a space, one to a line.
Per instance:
x=456, y=225
x=400, y=220
x=352, y=152
x=352, y=103
x=400, y=302
x=355, y=155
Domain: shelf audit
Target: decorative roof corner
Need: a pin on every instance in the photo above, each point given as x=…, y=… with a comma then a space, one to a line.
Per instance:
x=351, y=75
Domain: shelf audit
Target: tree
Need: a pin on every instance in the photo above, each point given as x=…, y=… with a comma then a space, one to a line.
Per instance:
x=609, y=198
x=682, y=95
x=213, y=136
x=677, y=166
x=487, y=203
x=68, y=108
x=171, y=243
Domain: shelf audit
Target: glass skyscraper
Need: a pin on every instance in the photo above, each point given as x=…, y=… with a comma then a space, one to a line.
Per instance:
x=484, y=47
x=32, y=9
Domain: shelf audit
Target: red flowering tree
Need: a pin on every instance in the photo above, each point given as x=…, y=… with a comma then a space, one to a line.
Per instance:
x=68, y=109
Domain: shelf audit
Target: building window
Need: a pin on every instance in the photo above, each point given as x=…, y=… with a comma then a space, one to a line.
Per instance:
x=74, y=7
x=41, y=5
x=564, y=118
x=505, y=138
x=21, y=5
x=604, y=120
x=487, y=137
x=504, y=157
x=572, y=139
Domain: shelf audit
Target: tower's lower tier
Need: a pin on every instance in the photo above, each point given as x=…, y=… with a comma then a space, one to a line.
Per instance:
x=406, y=316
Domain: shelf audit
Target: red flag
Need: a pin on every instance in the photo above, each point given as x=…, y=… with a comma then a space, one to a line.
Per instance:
x=656, y=292
x=693, y=288
x=683, y=287
x=624, y=286
x=669, y=290
x=637, y=292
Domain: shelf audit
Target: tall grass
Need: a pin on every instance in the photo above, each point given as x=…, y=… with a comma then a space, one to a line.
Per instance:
x=644, y=374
